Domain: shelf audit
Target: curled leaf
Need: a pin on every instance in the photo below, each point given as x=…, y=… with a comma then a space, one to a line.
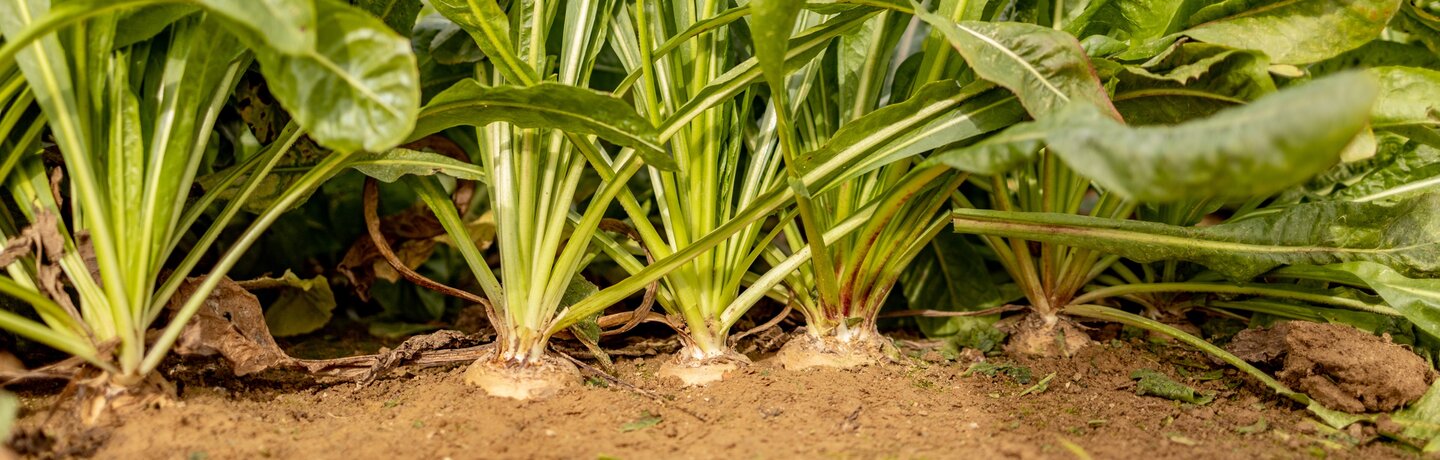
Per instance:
x=1154, y=383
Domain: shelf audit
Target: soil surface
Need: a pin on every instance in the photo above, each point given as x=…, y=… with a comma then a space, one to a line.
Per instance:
x=923, y=407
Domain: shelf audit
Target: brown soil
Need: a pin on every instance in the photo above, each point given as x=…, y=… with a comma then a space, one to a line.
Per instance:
x=1341, y=366
x=923, y=407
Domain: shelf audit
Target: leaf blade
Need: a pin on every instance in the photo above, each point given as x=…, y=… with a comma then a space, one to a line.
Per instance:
x=1228, y=155
x=544, y=105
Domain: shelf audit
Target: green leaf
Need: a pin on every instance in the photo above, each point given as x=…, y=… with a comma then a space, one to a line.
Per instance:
x=141, y=25
x=770, y=24
x=303, y=306
x=950, y=275
x=1422, y=419
x=1409, y=98
x=1293, y=31
x=724, y=88
x=1046, y=68
x=358, y=90
x=1378, y=53
x=1019, y=373
x=545, y=105
x=399, y=15
x=407, y=308
x=1012, y=148
x=287, y=26
x=1254, y=150
x=489, y=26
x=446, y=42
x=1416, y=298
x=1193, y=80
x=1401, y=169
x=1422, y=26
x=284, y=25
x=398, y=330
x=1401, y=236
x=646, y=420
x=1132, y=21
x=586, y=331
x=1150, y=382
x=390, y=165
x=939, y=114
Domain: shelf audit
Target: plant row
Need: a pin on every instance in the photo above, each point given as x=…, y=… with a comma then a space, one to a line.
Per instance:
x=1131, y=161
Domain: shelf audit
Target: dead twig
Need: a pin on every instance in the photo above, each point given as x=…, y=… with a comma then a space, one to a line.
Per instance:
x=641, y=313
x=784, y=313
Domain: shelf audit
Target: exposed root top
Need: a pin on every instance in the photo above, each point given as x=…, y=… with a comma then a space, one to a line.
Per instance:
x=521, y=382
x=697, y=372
x=808, y=351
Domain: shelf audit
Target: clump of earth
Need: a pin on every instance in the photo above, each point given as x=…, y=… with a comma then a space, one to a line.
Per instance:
x=1340, y=366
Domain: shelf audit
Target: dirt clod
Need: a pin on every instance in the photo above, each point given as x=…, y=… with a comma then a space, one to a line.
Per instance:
x=1338, y=365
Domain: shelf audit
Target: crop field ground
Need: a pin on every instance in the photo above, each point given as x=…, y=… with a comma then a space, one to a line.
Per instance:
x=926, y=406
x=633, y=229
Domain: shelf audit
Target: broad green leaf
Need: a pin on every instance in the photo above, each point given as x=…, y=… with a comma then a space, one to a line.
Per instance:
x=1402, y=169
x=1046, y=68
x=1100, y=46
x=1409, y=98
x=1422, y=419
x=1413, y=172
x=950, y=275
x=287, y=26
x=939, y=114
x=1016, y=146
x=405, y=305
x=770, y=24
x=141, y=25
x=1293, y=31
x=1378, y=53
x=1242, y=152
x=446, y=42
x=390, y=165
x=544, y=105
x=1400, y=235
x=1416, y=298
x=578, y=289
x=358, y=90
x=398, y=330
x=444, y=53
x=398, y=14
x=303, y=306
x=490, y=27
x=862, y=58
x=587, y=331
x=1193, y=80
x=1132, y=21
x=1422, y=26
x=1387, y=148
